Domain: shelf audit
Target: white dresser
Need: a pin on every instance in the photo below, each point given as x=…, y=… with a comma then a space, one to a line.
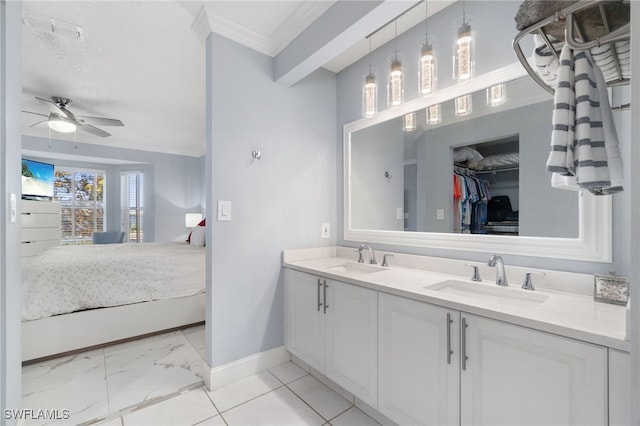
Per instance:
x=40, y=227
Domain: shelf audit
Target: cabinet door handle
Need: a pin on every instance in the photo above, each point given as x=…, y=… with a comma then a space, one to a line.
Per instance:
x=319, y=287
x=463, y=343
x=326, y=305
x=449, y=351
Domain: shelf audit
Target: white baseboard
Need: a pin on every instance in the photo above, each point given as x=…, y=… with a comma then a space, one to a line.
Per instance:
x=217, y=377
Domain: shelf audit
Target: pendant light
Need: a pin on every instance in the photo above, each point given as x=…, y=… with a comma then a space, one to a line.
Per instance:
x=409, y=122
x=370, y=91
x=464, y=51
x=434, y=114
x=395, y=84
x=427, y=75
x=496, y=95
x=463, y=105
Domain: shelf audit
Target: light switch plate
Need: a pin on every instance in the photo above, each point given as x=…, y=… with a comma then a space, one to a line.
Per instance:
x=399, y=213
x=325, y=231
x=224, y=211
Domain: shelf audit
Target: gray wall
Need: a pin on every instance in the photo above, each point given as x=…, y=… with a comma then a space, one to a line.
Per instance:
x=173, y=184
x=279, y=202
x=375, y=198
x=494, y=28
x=10, y=122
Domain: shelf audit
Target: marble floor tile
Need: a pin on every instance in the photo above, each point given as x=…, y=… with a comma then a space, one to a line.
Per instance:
x=186, y=409
x=142, y=370
x=75, y=383
x=354, y=417
x=196, y=336
x=212, y=421
x=111, y=422
x=320, y=397
x=242, y=391
x=288, y=372
x=278, y=407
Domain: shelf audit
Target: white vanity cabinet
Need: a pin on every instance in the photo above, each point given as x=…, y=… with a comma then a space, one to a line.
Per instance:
x=513, y=375
x=419, y=362
x=619, y=388
x=333, y=326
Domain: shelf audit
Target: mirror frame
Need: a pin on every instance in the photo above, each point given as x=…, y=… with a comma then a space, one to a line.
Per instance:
x=594, y=241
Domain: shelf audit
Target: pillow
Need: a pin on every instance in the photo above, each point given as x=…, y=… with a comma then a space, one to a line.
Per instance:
x=197, y=236
x=202, y=223
x=466, y=153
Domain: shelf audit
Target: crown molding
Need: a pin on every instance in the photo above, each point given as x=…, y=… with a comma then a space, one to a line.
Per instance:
x=304, y=16
x=207, y=22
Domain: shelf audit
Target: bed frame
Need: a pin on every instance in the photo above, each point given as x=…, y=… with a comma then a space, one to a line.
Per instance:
x=63, y=334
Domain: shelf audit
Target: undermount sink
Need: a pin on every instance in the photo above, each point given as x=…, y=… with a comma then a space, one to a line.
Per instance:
x=515, y=297
x=355, y=268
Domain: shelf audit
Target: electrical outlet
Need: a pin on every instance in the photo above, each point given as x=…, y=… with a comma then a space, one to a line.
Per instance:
x=325, y=231
x=440, y=214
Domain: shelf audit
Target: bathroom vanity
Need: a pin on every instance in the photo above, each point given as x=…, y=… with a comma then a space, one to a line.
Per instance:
x=422, y=343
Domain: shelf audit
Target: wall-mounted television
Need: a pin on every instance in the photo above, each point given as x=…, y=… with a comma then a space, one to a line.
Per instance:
x=37, y=180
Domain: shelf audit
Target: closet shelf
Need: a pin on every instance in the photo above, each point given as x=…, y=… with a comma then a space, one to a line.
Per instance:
x=582, y=25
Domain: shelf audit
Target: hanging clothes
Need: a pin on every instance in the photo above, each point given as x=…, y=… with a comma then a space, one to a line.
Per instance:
x=470, y=197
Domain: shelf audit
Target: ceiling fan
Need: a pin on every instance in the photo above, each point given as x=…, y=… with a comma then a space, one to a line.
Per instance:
x=62, y=120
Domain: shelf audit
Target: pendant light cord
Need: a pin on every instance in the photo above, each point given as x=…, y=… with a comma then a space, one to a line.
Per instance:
x=464, y=18
x=396, y=40
x=370, y=53
x=426, y=25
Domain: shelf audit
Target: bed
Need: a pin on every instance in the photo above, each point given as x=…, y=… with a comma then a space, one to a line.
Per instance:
x=77, y=297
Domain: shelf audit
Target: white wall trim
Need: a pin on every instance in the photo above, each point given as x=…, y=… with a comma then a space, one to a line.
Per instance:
x=217, y=377
x=594, y=242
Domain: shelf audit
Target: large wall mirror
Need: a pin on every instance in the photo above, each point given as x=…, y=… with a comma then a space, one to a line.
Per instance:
x=469, y=174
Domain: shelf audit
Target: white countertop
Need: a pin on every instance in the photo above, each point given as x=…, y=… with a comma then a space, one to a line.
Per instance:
x=567, y=314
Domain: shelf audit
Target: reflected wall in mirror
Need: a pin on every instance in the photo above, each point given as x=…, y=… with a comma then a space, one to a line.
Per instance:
x=503, y=149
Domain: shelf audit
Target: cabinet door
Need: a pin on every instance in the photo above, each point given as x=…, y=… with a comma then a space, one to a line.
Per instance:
x=352, y=339
x=304, y=318
x=419, y=368
x=619, y=388
x=518, y=376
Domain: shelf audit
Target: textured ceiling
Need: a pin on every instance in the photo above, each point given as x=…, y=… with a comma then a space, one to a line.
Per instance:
x=141, y=62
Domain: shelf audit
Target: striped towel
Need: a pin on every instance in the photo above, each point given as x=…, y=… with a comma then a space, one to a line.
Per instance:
x=578, y=139
x=544, y=61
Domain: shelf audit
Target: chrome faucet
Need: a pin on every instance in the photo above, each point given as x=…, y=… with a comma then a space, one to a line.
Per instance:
x=501, y=275
x=372, y=256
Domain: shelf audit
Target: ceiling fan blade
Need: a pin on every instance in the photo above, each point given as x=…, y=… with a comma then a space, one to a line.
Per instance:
x=36, y=113
x=93, y=130
x=99, y=121
x=53, y=107
x=39, y=122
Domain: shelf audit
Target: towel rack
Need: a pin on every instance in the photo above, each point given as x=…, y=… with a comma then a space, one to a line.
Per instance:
x=573, y=37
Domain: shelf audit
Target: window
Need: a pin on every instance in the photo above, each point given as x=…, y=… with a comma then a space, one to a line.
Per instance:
x=133, y=205
x=81, y=197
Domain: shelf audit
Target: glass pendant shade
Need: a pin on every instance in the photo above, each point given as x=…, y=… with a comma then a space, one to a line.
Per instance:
x=434, y=114
x=427, y=77
x=464, y=54
x=370, y=96
x=463, y=105
x=61, y=124
x=409, y=122
x=395, y=84
x=496, y=95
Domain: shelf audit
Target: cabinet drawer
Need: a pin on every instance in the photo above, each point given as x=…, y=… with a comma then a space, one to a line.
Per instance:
x=33, y=248
x=40, y=220
x=29, y=206
x=40, y=234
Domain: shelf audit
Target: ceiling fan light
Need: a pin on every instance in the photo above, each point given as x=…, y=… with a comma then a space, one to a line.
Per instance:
x=61, y=125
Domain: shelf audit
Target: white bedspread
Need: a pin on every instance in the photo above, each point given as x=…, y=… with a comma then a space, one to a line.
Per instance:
x=71, y=278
